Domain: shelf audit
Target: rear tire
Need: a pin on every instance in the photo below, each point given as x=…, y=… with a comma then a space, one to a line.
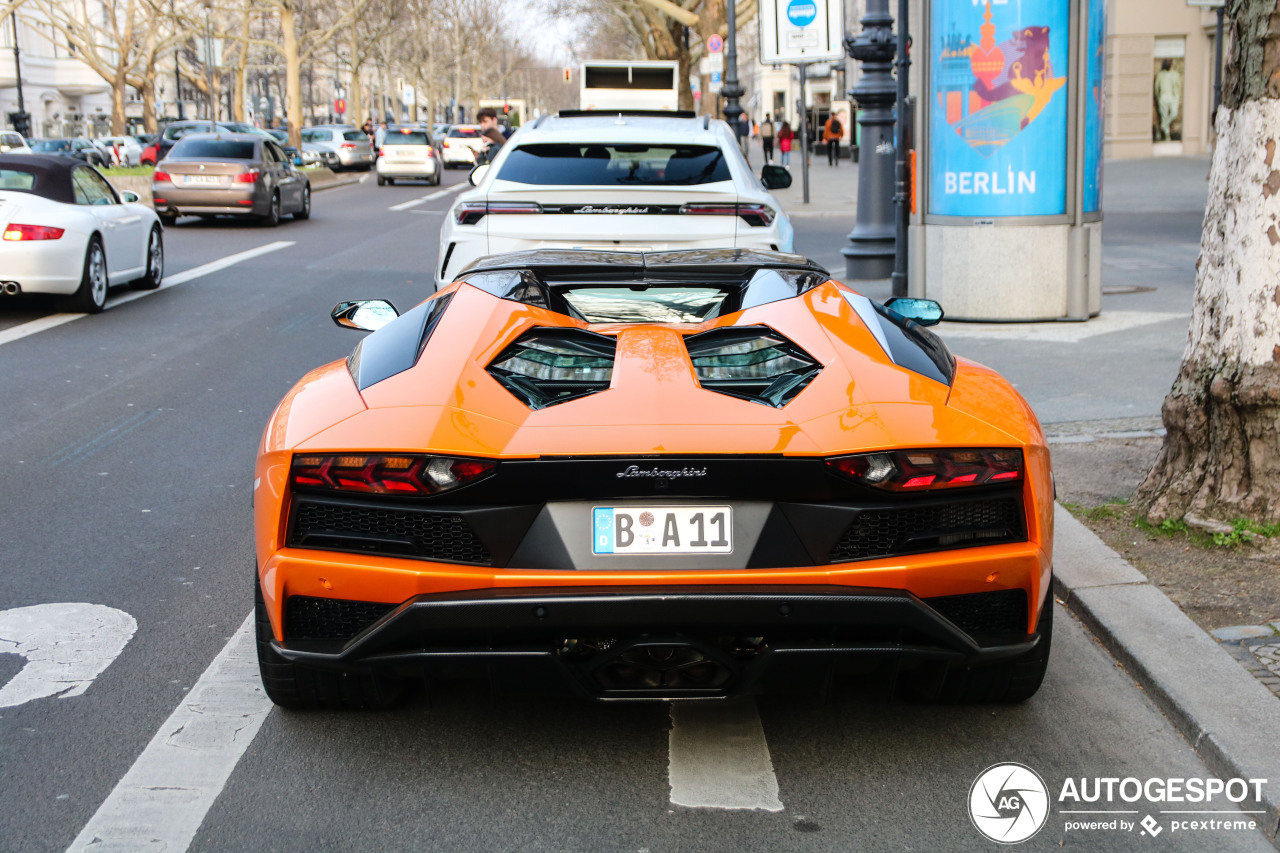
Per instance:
x=168, y=220
x=92, y=295
x=1006, y=682
x=391, y=181
x=295, y=685
x=272, y=219
x=382, y=182
x=304, y=212
x=155, y=262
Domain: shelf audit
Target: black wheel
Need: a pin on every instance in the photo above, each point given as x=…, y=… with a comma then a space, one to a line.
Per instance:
x=1008, y=681
x=382, y=182
x=294, y=685
x=435, y=179
x=391, y=181
x=168, y=220
x=155, y=262
x=304, y=212
x=92, y=295
x=272, y=219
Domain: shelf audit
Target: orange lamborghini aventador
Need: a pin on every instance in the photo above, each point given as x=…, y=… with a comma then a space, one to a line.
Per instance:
x=644, y=476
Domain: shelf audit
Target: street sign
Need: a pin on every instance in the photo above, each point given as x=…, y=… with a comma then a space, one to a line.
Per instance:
x=801, y=31
x=715, y=43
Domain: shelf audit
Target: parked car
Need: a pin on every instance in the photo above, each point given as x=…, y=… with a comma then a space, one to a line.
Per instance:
x=461, y=144
x=229, y=174
x=67, y=231
x=615, y=180
x=150, y=154
x=644, y=476
x=11, y=142
x=124, y=150
x=74, y=147
x=352, y=147
x=408, y=152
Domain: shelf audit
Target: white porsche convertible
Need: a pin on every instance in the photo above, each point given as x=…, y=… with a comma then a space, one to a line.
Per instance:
x=65, y=230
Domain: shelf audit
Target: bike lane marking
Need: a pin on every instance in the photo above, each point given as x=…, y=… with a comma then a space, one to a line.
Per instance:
x=52, y=321
x=162, y=800
x=720, y=758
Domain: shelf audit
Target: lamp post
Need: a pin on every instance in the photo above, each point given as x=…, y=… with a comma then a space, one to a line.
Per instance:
x=732, y=90
x=870, y=254
x=21, y=121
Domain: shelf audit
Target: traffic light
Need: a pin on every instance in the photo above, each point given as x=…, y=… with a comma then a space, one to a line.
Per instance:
x=21, y=122
x=567, y=75
x=506, y=109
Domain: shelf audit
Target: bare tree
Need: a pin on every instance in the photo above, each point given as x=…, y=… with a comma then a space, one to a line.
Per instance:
x=1221, y=455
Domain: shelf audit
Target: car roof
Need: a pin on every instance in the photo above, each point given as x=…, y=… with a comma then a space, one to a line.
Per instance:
x=226, y=134
x=615, y=126
x=53, y=174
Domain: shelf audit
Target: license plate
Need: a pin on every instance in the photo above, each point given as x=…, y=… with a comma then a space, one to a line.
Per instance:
x=662, y=530
x=203, y=180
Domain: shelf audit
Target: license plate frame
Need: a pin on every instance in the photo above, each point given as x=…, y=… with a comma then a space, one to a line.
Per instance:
x=202, y=180
x=662, y=530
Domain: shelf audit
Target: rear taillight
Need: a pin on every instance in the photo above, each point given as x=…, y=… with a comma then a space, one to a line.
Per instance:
x=160, y=175
x=912, y=470
x=379, y=474
x=429, y=151
x=381, y=152
x=471, y=212
x=444, y=143
x=348, y=146
x=248, y=177
x=32, y=232
x=753, y=214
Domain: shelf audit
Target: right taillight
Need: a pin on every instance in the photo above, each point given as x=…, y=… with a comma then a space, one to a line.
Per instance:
x=160, y=175
x=752, y=214
x=248, y=177
x=917, y=470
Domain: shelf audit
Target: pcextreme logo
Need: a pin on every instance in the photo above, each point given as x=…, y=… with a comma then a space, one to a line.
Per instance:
x=1008, y=803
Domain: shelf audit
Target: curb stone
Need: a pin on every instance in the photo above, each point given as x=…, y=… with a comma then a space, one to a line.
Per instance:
x=1227, y=715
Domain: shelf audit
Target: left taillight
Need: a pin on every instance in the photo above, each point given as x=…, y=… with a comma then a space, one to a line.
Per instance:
x=752, y=214
x=248, y=177
x=386, y=474
x=471, y=212
x=917, y=470
x=17, y=232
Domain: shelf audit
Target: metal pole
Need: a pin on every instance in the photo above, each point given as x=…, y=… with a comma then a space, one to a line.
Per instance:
x=177, y=73
x=731, y=90
x=870, y=254
x=804, y=132
x=17, y=62
x=901, y=196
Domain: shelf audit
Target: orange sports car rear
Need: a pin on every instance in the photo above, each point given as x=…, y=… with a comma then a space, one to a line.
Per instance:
x=652, y=476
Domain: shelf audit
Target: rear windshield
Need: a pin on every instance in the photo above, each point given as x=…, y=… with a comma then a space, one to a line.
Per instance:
x=316, y=135
x=13, y=179
x=46, y=146
x=218, y=149
x=456, y=132
x=355, y=136
x=608, y=165
x=653, y=304
x=413, y=137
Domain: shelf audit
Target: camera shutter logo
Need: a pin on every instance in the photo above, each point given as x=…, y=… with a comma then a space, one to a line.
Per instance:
x=1008, y=803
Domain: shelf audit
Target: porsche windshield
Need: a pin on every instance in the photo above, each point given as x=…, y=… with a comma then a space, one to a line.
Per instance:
x=616, y=164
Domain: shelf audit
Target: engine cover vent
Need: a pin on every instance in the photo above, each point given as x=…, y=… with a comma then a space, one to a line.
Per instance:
x=549, y=366
x=751, y=362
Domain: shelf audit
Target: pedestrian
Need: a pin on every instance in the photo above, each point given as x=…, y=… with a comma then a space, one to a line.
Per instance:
x=785, y=137
x=831, y=133
x=490, y=130
x=744, y=136
x=766, y=138
x=367, y=129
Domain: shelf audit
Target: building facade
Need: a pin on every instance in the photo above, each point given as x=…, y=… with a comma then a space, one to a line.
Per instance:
x=62, y=94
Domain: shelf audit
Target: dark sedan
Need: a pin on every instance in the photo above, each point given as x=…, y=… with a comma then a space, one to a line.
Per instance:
x=75, y=147
x=229, y=174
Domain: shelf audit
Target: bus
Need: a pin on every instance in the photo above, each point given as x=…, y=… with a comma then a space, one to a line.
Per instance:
x=635, y=85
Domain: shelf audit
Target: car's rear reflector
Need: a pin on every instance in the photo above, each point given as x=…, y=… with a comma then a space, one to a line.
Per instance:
x=917, y=470
x=15, y=232
x=399, y=474
x=751, y=362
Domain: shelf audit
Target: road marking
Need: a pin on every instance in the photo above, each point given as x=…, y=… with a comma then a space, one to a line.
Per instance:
x=52, y=321
x=66, y=646
x=405, y=205
x=1058, y=331
x=162, y=800
x=719, y=757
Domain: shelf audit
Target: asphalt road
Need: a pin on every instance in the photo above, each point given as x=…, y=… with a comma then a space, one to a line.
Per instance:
x=126, y=478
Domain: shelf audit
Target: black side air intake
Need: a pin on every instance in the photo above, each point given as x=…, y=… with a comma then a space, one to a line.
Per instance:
x=751, y=362
x=549, y=366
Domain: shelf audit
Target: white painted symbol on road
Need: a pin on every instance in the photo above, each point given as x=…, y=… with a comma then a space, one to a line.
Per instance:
x=719, y=757
x=66, y=646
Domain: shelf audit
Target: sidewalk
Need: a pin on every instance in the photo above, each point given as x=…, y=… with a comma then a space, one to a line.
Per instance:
x=1068, y=371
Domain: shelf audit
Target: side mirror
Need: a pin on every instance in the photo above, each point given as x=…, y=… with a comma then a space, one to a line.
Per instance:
x=926, y=312
x=130, y=197
x=477, y=174
x=775, y=177
x=364, y=315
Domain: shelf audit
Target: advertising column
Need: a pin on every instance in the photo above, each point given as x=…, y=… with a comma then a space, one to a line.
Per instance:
x=1003, y=136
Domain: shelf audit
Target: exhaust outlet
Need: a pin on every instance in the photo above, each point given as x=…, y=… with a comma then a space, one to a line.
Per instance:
x=10, y=288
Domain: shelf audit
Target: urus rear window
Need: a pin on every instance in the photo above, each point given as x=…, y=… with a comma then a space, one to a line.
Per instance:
x=614, y=165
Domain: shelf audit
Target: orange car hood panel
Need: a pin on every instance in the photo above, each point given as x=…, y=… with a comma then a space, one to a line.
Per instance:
x=447, y=403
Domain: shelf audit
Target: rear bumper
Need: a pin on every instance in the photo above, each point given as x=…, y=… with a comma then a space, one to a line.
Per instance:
x=406, y=169
x=242, y=200
x=614, y=643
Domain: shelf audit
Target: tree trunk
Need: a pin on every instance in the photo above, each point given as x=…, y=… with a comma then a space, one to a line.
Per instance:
x=292, y=74
x=149, y=123
x=1221, y=453
x=118, y=86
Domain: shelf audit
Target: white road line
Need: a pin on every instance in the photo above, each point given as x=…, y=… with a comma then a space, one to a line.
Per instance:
x=719, y=757
x=52, y=321
x=162, y=800
x=405, y=205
